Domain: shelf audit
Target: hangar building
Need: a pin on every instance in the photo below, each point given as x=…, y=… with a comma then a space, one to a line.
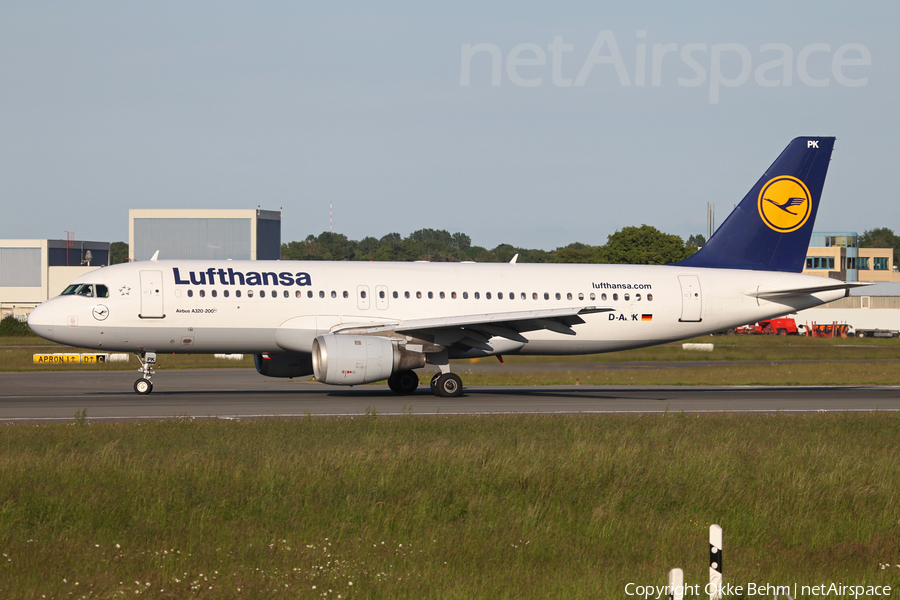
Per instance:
x=215, y=234
x=32, y=271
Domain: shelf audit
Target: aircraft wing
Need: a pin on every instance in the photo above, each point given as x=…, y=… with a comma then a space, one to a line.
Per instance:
x=475, y=330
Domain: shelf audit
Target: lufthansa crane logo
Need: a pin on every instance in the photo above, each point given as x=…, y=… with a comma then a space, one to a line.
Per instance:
x=784, y=204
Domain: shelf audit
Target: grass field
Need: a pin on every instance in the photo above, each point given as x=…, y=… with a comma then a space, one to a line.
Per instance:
x=464, y=507
x=440, y=507
x=735, y=348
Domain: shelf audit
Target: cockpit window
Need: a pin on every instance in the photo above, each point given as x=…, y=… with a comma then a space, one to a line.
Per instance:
x=87, y=290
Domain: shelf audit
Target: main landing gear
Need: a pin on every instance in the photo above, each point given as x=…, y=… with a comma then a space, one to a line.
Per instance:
x=403, y=382
x=446, y=385
x=144, y=386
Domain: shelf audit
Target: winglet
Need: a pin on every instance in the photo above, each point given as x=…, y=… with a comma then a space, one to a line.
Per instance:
x=155, y=256
x=514, y=259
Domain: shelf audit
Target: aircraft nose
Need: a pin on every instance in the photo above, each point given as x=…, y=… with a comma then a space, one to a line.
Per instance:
x=41, y=320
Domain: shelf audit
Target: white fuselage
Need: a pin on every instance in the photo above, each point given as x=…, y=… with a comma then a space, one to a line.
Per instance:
x=205, y=307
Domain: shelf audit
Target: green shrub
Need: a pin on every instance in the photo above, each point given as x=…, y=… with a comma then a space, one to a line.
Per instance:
x=12, y=327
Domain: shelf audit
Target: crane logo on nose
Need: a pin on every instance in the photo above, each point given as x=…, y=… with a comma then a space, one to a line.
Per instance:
x=100, y=312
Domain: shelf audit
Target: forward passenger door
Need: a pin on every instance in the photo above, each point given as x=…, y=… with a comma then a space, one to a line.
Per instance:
x=151, y=295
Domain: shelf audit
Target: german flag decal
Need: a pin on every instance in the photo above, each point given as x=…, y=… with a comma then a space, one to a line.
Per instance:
x=646, y=317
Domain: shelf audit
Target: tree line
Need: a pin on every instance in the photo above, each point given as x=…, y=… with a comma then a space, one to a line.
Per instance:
x=644, y=245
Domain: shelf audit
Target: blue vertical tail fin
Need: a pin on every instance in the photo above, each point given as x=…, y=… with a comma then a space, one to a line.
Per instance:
x=771, y=227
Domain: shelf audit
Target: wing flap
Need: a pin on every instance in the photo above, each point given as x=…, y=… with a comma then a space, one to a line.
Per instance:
x=526, y=320
x=475, y=330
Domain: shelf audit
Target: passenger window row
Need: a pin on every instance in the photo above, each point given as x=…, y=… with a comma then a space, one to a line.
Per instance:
x=407, y=295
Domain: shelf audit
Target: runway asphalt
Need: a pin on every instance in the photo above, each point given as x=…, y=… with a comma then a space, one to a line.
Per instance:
x=242, y=393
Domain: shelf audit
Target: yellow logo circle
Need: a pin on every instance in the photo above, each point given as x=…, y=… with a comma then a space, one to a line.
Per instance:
x=784, y=204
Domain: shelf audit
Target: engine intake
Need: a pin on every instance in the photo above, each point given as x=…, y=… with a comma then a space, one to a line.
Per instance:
x=356, y=359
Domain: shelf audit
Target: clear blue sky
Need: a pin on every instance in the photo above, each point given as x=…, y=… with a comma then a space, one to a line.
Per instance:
x=107, y=106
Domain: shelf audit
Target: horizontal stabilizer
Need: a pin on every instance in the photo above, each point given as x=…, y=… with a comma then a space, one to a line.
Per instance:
x=805, y=289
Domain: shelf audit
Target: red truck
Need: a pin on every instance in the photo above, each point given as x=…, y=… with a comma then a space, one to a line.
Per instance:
x=782, y=326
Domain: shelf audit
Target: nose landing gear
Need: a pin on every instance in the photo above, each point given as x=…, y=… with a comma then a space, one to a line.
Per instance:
x=144, y=386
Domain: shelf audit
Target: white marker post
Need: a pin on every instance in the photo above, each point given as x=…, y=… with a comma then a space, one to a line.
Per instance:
x=715, y=562
x=676, y=584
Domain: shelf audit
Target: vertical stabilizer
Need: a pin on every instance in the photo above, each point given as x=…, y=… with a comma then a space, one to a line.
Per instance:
x=771, y=227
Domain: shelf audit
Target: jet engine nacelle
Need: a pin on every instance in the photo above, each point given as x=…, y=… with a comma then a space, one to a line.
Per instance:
x=356, y=359
x=283, y=365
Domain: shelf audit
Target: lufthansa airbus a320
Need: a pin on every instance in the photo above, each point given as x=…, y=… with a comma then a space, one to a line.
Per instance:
x=351, y=323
